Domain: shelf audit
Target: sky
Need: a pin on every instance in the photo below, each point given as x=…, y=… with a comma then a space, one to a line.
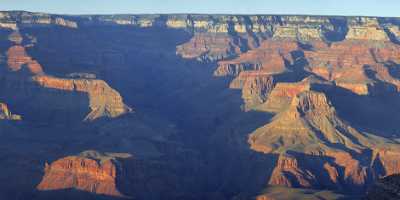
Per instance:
x=310, y=7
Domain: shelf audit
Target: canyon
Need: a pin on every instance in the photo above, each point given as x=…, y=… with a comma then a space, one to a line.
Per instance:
x=197, y=106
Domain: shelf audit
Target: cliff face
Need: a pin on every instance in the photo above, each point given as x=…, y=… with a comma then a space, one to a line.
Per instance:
x=90, y=171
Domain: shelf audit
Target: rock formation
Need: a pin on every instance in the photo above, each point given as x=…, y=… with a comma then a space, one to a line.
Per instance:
x=318, y=149
x=5, y=113
x=104, y=101
x=89, y=171
x=255, y=87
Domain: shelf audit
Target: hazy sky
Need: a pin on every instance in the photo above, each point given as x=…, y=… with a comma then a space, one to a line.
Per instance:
x=315, y=7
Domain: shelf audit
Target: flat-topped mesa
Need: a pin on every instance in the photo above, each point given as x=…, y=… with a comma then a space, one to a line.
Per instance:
x=89, y=171
x=104, y=101
x=255, y=87
x=5, y=113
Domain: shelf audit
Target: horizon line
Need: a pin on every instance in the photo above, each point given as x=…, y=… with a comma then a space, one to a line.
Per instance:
x=189, y=13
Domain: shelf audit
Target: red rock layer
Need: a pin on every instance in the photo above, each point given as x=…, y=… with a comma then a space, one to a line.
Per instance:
x=319, y=150
x=334, y=170
x=255, y=87
x=282, y=94
x=343, y=62
x=18, y=58
x=83, y=174
x=269, y=58
x=213, y=46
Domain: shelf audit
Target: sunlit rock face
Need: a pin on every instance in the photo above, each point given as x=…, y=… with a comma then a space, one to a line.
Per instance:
x=90, y=171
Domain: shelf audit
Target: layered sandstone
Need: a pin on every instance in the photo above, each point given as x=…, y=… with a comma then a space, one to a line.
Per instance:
x=270, y=58
x=283, y=93
x=90, y=171
x=255, y=86
x=318, y=149
x=204, y=46
x=308, y=124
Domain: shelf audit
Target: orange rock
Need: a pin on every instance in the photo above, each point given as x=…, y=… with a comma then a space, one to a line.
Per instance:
x=210, y=45
x=255, y=85
x=96, y=174
x=103, y=100
x=17, y=58
x=269, y=58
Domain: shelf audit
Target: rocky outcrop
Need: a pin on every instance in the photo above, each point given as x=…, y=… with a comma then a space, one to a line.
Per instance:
x=270, y=57
x=308, y=125
x=90, y=171
x=255, y=86
x=211, y=47
x=5, y=113
x=103, y=100
x=282, y=94
x=318, y=149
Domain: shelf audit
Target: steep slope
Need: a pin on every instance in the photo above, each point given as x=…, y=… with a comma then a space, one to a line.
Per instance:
x=318, y=149
x=308, y=124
